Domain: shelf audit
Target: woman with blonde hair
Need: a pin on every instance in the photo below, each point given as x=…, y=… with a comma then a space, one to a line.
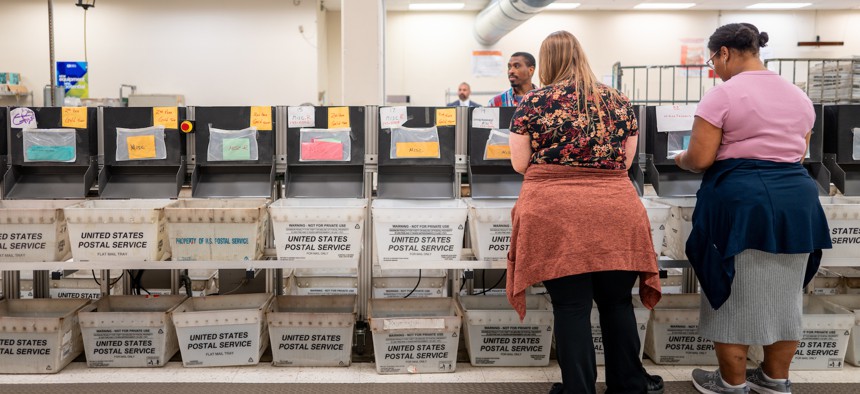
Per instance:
x=579, y=226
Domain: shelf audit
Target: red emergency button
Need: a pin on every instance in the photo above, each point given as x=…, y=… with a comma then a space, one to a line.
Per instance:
x=186, y=126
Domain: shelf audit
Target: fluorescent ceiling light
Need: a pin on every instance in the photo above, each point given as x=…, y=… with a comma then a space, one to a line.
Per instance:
x=562, y=6
x=778, y=6
x=663, y=6
x=436, y=6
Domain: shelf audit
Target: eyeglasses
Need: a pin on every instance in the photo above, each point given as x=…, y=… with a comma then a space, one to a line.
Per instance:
x=710, y=62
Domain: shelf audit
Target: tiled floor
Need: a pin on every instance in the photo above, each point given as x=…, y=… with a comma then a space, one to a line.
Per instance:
x=364, y=373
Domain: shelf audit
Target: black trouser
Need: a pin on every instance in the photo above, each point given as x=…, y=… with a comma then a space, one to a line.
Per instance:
x=571, y=301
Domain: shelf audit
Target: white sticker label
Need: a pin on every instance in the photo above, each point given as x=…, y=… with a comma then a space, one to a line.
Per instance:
x=319, y=241
x=675, y=117
x=416, y=352
x=485, y=118
x=303, y=116
x=23, y=118
x=503, y=345
x=90, y=294
x=413, y=324
x=390, y=117
x=420, y=242
x=821, y=349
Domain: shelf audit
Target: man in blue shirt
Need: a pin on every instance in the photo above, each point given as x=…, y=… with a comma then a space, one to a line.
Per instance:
x=521, y=68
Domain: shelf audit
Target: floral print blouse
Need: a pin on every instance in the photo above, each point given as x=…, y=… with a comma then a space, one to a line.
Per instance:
x=562, y=133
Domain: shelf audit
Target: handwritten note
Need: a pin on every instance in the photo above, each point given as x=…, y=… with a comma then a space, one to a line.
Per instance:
x=304, y=116
x=261, y=118
x=446, y=116
x=406, y=150
x=75, y=117
x=485, y=118
x=140, y=147
x=498, y=152
x=675, y=117
x=236, y=149
x=338, y=117
x=392, y=117
x=165, y=116
x=23, y=118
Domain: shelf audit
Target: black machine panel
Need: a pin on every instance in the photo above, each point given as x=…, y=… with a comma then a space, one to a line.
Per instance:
x=234, y=178
x=420, y=178
x=491, y=178
x=53, y=179
x=156, y=178
x=327, y=178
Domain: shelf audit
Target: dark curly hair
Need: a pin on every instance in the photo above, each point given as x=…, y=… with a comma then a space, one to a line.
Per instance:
x=741, y=36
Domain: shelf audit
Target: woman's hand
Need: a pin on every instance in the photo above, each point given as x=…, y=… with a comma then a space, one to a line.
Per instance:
x=704, y=143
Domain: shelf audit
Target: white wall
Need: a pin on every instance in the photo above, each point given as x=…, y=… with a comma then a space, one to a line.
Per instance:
x=334, y=91
x=428, y=52
x=215, y=52
x=223, y=52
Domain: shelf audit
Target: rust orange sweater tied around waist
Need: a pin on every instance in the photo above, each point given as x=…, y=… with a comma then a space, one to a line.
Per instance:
x=571, y=221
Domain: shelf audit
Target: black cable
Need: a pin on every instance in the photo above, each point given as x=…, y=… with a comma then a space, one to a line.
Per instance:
x=117, y=279
x=494, y=286
x=111, y=284
x=186, y=281
x=416, y=285
x=484, y=281
x=241, y=283
x=462, y=284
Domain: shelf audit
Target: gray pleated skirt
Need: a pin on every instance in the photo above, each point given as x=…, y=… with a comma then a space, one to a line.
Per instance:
x=766, y=303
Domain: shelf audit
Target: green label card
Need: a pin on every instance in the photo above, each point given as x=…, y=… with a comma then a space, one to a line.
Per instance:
x=237, y=149
x=50, y=153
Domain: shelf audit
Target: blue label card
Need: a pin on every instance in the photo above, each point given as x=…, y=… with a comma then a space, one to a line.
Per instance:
x=51, y=153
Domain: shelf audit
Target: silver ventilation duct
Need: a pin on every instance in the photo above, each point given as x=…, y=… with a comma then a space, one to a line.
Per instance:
x=502, y=16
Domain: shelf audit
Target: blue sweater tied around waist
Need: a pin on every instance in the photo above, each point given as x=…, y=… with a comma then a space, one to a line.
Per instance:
x=753, y=204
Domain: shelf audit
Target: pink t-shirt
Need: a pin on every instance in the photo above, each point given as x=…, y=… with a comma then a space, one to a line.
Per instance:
x=762, y=116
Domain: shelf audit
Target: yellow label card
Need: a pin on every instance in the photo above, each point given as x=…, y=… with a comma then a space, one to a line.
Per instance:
x=165, y=116
x=141, y=147
x=261, y=118
x=338, y=117
x=75, y=117
x=446, y=116
x=417, y=150
x=498, y=152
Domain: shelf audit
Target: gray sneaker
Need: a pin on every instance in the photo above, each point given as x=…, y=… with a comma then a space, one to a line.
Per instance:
x=712, y=383
x=764, y=385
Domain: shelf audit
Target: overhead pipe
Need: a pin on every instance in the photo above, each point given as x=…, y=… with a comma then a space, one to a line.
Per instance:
x=500, y=17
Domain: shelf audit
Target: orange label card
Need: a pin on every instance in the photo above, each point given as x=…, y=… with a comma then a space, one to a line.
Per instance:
x=261, y=118
x=338, y=117
x=165, y=116
x=417, y=150
x=141, y=147
x=75, y=117
x=498, y=152
x=446, y=116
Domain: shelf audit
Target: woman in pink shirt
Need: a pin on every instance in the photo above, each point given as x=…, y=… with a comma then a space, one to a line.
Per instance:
x=758, y=226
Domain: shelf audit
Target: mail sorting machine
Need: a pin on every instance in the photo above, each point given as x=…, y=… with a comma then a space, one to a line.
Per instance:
x=234, y=157
x=324, y=216
x=52, y=155
x=145, y=157
x=494, y=187
x=417, y=215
